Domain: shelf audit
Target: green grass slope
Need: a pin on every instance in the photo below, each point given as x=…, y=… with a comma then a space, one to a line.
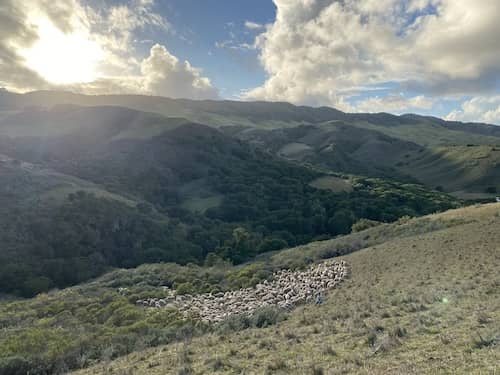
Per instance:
x=102, y=121
x=210, y=187
x=264, y=115
x=430, y=133
x=466, y=171
x=423, y=298
x=27, y=185
x=339, y=147
x=368, y=144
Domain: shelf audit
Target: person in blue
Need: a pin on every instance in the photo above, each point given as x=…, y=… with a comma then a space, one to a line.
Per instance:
x=319, y=299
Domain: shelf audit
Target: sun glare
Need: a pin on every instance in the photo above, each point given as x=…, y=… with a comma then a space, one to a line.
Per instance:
x=63, y=58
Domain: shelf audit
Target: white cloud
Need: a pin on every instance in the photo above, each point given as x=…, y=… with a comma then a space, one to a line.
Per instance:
x=16, y=32
x=165, y=75
x=254, y=25
x=321, y=51
x=480, y=108
x=50, y=44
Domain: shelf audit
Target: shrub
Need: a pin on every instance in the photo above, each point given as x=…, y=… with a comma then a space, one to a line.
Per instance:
x=329, y=351
x=272, y=244
x=185, y=371
x=491, y=190
x=267, y=316
x=403, y=219
x=278, y=364
x=235, y=323
x=261, y=318
x=399, y=332
x=485, y=342
x=371, y=339
x=318, y=371
x=185, y=288
x=217, y=365
x=483, y=318
x=363, y=224
x=15, y=366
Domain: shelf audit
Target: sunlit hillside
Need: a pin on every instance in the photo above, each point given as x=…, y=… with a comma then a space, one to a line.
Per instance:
x=425, y=300
x=249, y=187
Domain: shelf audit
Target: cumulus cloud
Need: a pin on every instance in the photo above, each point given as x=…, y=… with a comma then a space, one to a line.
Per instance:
x=44, y=44
x=480, y=108
x=161, y=73
x=165, y=75
x=321, y=51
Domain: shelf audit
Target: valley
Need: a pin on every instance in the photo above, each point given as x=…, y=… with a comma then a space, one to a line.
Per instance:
x=131, y=240
x=268, y=187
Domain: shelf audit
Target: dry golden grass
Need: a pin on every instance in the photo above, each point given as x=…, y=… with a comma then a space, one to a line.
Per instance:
x=428, y=303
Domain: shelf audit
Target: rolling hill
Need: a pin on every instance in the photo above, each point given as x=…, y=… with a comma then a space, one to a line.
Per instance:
x=422, y=297
x=408, y=147
x=119, y=199
x=425, y=300
x=469, y=171
x=90, y=188
x=263, y=115
x=340, y=147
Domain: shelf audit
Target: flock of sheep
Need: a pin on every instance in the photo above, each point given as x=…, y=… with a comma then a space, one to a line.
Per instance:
x=286, y=290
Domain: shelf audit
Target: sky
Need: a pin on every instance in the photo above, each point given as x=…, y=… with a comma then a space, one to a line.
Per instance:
x=435, y=57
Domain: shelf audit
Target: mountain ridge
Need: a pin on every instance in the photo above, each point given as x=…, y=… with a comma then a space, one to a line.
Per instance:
x=224, y=107
x=394, y=146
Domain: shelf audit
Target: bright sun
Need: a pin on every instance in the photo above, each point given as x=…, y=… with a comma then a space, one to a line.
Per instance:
x=63, y=58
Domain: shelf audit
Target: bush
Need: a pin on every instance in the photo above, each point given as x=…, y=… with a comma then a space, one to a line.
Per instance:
x=399, y=332
x=185, y=288
x=261, y=318
x=491, y=190
x=278, y=364
x=485, y=342
x=371, y=339
x=267, y=316
x=235, y=323
x=403, y=219
x=36, y=285
x=15, y=366
x=363, y=224
x=272, y=244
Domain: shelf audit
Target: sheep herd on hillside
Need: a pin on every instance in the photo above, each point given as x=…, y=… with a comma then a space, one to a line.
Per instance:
x=286, y=290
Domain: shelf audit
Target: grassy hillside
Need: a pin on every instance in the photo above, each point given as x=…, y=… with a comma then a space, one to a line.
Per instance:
x=264, y=115
x=461, y=170
x=135, y=194
x=423, y=297
x=83, y=192
x=432, y=133
x=27, y=185
x=100, y=121
x=340, y=147
x=215, y=113
x=377, y=144
x=99, y=321
x=468, y=170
